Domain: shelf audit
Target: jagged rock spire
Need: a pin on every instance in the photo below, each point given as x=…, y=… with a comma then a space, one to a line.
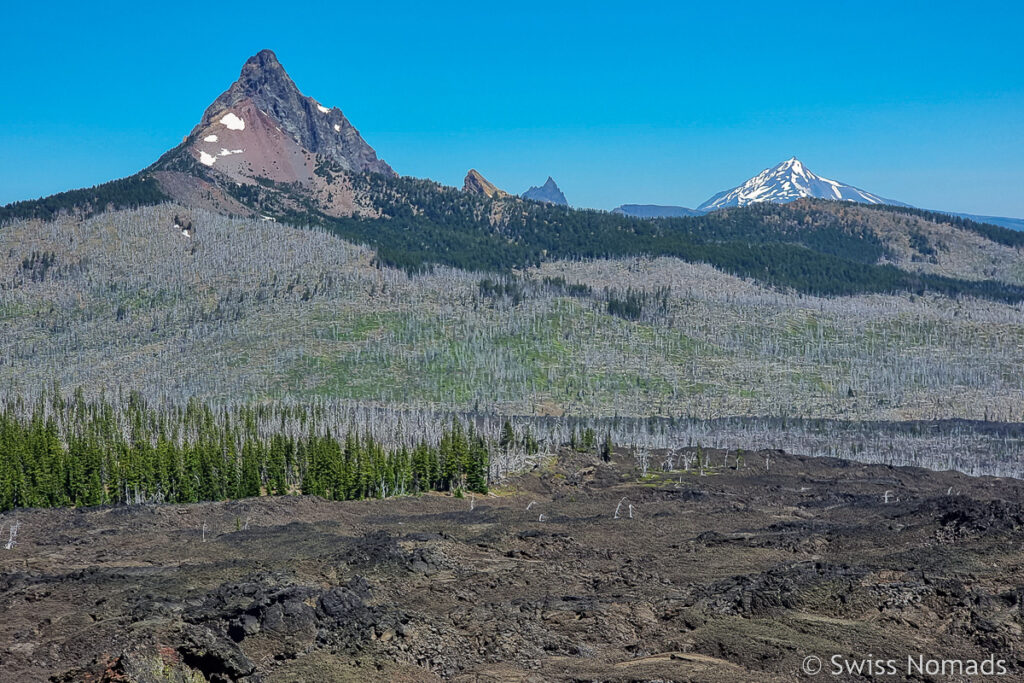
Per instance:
x=548, y=192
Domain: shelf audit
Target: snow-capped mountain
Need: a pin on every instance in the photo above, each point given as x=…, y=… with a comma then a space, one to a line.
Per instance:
x=789, y=181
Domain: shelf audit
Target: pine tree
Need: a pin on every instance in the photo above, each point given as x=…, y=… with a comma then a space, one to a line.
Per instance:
x=276, y=464
x=508, y=437
x=477, y=474
x=249, y=481
x=530, y=444
x=458, y=460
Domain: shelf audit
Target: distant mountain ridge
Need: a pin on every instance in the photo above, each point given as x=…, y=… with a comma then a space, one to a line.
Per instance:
x=548, y=192
x=787, y=182
x=1001, y=221
x=264, y=148
x=655, y=211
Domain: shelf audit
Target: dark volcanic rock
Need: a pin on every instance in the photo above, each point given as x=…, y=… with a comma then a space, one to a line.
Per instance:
x=216, y=657
x=788, y=587
x=374, y=548
x=727, y=576
x=970, y=516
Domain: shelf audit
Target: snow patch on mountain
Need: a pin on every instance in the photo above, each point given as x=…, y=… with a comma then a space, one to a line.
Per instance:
x=232, y=122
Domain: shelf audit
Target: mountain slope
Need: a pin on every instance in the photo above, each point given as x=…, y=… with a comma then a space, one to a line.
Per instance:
x=250, y=308
x=811, y=246
x=548, y=192
x=789, y=181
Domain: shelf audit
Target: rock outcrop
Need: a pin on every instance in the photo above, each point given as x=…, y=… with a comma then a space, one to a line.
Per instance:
x=548, y=192
x=477, y=184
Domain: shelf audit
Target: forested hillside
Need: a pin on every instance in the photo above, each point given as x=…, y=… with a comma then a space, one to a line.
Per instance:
x=254, y=309
x=810, y=246
x=268, y=327
x=126, y=193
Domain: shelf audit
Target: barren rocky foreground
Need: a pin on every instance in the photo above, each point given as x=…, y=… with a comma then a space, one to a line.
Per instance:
x=734, y=574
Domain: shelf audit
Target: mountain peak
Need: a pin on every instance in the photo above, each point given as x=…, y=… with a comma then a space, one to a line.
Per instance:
x=475, y=183
x=264, y=60
x=548, y=192
x=261, y=73
x=264, y=128
x=265, y=56
x=282, y=125
x=262, y=78
x=788, y=181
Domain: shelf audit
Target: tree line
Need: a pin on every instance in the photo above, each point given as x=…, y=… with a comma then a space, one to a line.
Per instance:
x=125, y=193
x=91, y=456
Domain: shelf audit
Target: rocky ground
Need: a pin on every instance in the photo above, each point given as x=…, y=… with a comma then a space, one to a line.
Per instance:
x=736, y=574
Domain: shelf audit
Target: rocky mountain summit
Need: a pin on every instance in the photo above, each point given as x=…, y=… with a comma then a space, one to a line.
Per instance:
x=264, y=131
x=787, y=182
x=475, y=183
x=548, y=192
x=265, y=89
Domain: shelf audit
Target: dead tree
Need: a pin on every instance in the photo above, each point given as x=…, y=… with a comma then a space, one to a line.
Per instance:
x=13, y=536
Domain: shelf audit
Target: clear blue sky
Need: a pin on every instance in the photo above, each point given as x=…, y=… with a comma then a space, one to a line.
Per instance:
x=620, y=102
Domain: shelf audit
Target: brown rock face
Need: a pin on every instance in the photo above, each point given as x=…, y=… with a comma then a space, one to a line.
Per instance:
x=477, y=184
x=264, y=128
x=264, y=86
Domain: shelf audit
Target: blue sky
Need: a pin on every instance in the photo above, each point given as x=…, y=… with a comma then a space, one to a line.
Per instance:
x=620, y=103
